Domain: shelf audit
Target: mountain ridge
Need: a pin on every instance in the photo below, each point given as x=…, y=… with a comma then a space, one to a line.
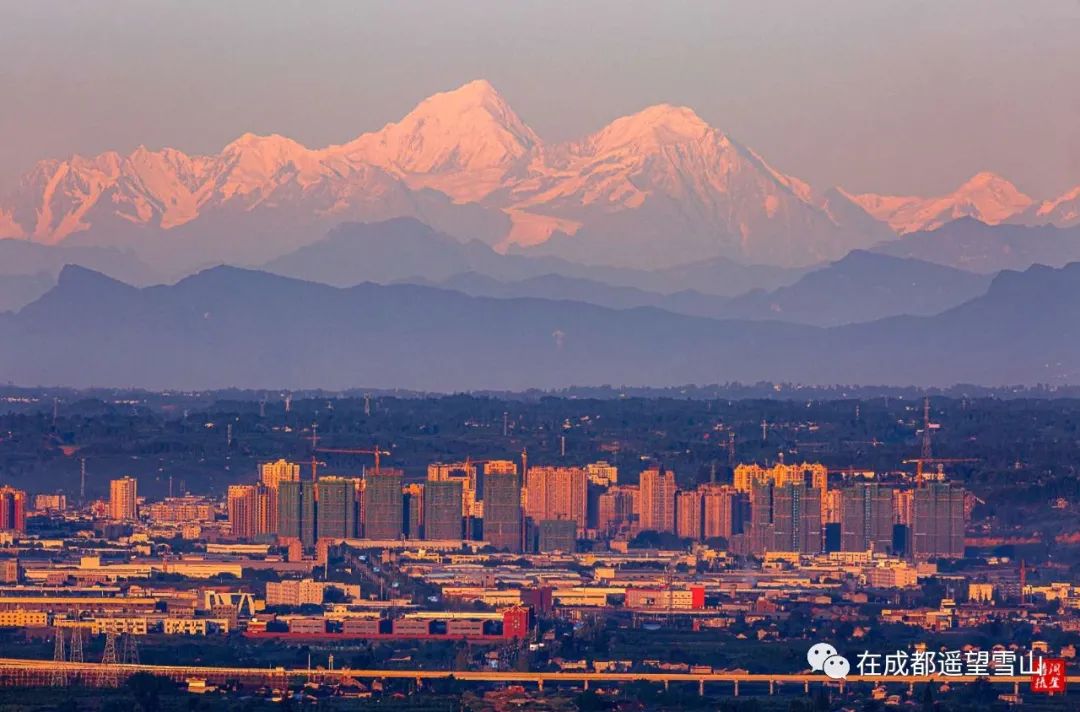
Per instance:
x=461, y=160
x=229, y=327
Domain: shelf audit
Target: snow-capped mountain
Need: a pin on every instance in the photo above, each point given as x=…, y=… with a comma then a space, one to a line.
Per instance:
x=657, y=188
x=1063, y=211
x=664, y=186
x=465, y=143
x=986, y=196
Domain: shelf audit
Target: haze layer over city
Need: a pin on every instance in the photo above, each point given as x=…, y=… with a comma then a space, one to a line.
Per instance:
x=490, y=356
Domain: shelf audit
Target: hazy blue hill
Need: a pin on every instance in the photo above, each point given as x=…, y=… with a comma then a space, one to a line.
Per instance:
x=18, y=290
x=860, y=287
x=230, y=327
x=977, y=247
x=407, y=249
x=25, y=257
x=863, y=286
x=557, y=286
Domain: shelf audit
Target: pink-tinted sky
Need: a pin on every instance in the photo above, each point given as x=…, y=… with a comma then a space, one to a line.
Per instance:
x=876, y=95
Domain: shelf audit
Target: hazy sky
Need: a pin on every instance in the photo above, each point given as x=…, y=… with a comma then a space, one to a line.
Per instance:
x=874, y=95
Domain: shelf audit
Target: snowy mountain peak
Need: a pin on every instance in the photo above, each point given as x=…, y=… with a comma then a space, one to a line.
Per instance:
x=658, y=187
x=984, y=179
x=985, y=196
x=462, y=142
x=272, y=146
x=659, y=125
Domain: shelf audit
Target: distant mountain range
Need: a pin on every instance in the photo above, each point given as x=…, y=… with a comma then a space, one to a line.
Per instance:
x=406, y=250
x=986, y=197
x=656, y=189
x=28, y=270
x=227, y=327
x=972, y=245
x=457, y=249
x=860, y=287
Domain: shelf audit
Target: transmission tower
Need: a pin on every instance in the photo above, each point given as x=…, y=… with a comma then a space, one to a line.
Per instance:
x=58, y=675
x=130, y=654
x=76, y=655
x=926, y=454
x=108, y=674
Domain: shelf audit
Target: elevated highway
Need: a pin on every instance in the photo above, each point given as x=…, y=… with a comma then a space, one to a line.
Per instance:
x=16, y=671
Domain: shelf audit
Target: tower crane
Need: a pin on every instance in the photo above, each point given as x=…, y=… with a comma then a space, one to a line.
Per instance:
x=376, y=451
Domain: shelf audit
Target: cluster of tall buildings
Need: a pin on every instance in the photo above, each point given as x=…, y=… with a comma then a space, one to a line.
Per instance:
x=478, y=500
x=253, y=509
x=512, y=507
x=545, y=508
x=791, y=508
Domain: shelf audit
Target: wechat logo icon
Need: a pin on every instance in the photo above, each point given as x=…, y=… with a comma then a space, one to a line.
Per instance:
x=824, y=658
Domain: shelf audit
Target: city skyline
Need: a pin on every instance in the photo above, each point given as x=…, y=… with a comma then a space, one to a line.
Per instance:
x=728, y=525
x=611, y=356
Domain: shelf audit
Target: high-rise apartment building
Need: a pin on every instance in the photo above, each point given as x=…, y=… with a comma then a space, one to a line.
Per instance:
x=760, y=533
x=465, y=474
x=502, y=507
x=442, y=509
x=242, y=505
x=296, y=511
x=335, y=508
x=617, y=510
x=903, y=502
x=602, y=473
x=867, y=518
x=266, y=510
x=413, y=503
x=188, y=509
x=807, y=473
x=553, y=493
x=832, y=506
x=384, y=505
x=50, y=502
x=123, y=503
x=938, y=521
x=797, y=518
x=724, y=508
x=12, y=509
x=272, y=474
x=497, y=467
x=688, y=514
x=657, y=500
x=556, y=535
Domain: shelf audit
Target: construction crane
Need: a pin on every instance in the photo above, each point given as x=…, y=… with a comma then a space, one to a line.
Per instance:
x=469, y=461
x=849, y=470
x=376, y=451
x=315, y=462
x=920, y=462
x=873, y=442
